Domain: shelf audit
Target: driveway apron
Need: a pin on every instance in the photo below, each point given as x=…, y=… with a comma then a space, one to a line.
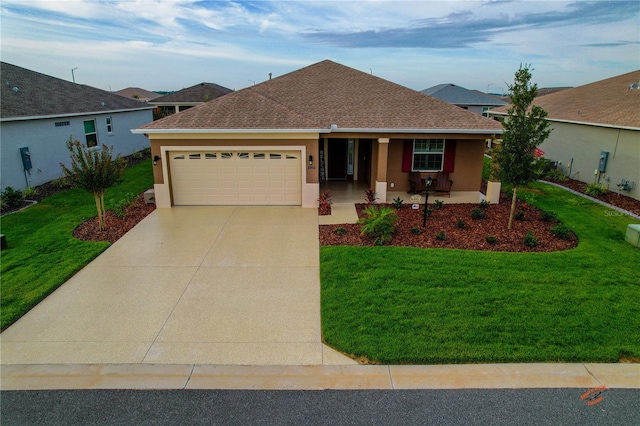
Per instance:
x=188, y=285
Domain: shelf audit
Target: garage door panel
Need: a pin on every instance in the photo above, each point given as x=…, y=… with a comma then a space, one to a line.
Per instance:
x=236, y=178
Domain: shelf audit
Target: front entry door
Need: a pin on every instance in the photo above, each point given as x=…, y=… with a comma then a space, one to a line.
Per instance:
x=337, y=159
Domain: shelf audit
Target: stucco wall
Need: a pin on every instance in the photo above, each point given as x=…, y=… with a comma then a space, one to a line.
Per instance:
x=467, y=174
x=47, y=143
x=584, y=144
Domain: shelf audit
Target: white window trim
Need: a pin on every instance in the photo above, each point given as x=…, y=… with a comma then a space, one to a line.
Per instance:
x=413, y=154
x=95, y=131
x=109, y=121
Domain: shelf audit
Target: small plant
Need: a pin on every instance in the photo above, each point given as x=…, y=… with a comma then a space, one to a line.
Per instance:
x=428, y=211
x=340, y=230
x=561, y=231
x=397, y=203
x=549, y=217
x=441, y=236
x=478, y=214
x=491, y=240
x=379, y=223
x=461, y=224
x=437, y=204
x=370, y=196
x=416, y=230
x=120, y=208
x=595, y=189
x=60, y=183
x=137, y=155
x=29, y=193
x=555, y=176
x=324, y=202
x=530, y=240
x=484, y=204
x=11, y=198
x=520, y=215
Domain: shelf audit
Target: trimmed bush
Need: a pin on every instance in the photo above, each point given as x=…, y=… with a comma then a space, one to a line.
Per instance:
x=561, y=231
x=379, y=223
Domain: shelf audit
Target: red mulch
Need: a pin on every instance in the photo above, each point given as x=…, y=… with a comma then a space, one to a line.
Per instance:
x=615, y=198
x=115, y=227
x=472, y=237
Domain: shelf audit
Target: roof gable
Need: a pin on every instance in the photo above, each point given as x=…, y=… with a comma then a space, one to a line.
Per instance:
x=137, y=93
x=27, y=93
x=326, y=94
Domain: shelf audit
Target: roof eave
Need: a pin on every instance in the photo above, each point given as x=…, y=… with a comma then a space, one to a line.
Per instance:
x=409, y=130
x=323, y=131
x=583, y=123
x=71, y=114
x=140, y=131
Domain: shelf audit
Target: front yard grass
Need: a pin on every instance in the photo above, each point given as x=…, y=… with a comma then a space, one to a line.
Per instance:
x=397, y=305
x=43, y=253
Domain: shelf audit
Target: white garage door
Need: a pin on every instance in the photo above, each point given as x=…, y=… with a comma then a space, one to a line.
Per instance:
x=235, y=177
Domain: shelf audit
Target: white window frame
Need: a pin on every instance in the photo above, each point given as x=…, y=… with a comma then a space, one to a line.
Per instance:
x=428, y=152
x=95, y=132
x=110, y=125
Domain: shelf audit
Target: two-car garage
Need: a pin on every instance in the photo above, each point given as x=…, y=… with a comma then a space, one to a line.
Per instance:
x=235, y=177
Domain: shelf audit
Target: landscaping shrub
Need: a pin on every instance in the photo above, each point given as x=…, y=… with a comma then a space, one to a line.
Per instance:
x=29, y=193
x=561, y=231
x=555, y=176
x=549, y=216
x=520, y=215
x=460, y=223
x=324, y=202
x=120, y=208
x=11, y=198
x=397, y=203
x=437, y=204
x=429, y=211
x=484, y=204
x=416, y=230
x=370, y=196
x=378, y=223
x=340, y=230
x=595, y=189
x=441, y=236
x=478, y=214
x=492, y=240
x=530, y=240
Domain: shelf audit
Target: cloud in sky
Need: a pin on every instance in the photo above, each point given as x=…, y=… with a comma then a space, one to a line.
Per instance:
x=173, y=44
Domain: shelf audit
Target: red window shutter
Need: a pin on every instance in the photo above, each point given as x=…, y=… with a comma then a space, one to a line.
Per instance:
x=449, y=156
x=407, y=154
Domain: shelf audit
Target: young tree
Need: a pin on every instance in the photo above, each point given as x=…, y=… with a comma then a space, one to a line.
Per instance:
x=525, y=128
x=94, y=171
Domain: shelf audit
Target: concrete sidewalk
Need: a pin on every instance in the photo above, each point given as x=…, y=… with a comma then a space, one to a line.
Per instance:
x=318, y=377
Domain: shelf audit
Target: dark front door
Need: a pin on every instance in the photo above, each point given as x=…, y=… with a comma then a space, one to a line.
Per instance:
x=337, y=159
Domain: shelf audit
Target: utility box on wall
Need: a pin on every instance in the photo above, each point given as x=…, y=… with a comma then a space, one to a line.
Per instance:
x=26, y=158
x=602, y=164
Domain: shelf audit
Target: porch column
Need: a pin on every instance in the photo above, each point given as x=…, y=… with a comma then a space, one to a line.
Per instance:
x=381, y=171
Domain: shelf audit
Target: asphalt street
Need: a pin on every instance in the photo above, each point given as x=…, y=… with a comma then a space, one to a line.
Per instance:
x=329, y=407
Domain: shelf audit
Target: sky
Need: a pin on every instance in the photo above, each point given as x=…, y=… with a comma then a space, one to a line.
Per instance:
x=170, y=45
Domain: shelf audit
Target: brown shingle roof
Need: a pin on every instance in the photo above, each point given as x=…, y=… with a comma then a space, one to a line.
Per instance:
x=202, y=92
x=27, y=93
x=609, y=102
x=323, y=94
x=137, y=93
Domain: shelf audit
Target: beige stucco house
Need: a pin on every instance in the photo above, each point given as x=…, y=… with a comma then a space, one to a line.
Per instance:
x=275, y=142
x=595, y=132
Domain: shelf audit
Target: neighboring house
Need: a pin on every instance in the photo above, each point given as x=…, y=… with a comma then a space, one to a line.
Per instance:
x=138, y=94
x=38, y=114
x=273, y=143
x=595, y=132
x=188, y=98
x=467, y=99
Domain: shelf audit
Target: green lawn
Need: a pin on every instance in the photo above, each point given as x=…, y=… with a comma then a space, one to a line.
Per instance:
x=397, y=305
x=42, y=252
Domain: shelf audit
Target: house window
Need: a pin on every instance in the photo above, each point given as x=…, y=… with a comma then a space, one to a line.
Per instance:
x=428, y=155
x=109, y=126
x=90, y=133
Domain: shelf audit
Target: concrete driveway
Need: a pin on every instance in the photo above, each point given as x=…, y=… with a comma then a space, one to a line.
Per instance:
x=188, y=285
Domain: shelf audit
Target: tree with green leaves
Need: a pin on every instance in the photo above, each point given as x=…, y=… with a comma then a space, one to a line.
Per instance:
x=525, y=127
x=94, y=170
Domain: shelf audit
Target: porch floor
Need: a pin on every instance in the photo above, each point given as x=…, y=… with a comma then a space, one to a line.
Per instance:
x=345, y=194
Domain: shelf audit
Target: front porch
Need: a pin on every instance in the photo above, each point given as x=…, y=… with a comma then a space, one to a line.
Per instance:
x=345, y=194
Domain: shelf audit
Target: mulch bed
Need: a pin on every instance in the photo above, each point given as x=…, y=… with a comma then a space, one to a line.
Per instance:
x=115, y=227
x=473, y=236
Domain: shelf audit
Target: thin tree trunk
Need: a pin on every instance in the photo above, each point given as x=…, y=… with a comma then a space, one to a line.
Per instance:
x=513, y=206
x=104, y=211
x=96, y=197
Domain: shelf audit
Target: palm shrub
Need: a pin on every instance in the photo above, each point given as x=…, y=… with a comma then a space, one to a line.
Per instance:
x=94, y=171
x=379, y=223
x=595, y=189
